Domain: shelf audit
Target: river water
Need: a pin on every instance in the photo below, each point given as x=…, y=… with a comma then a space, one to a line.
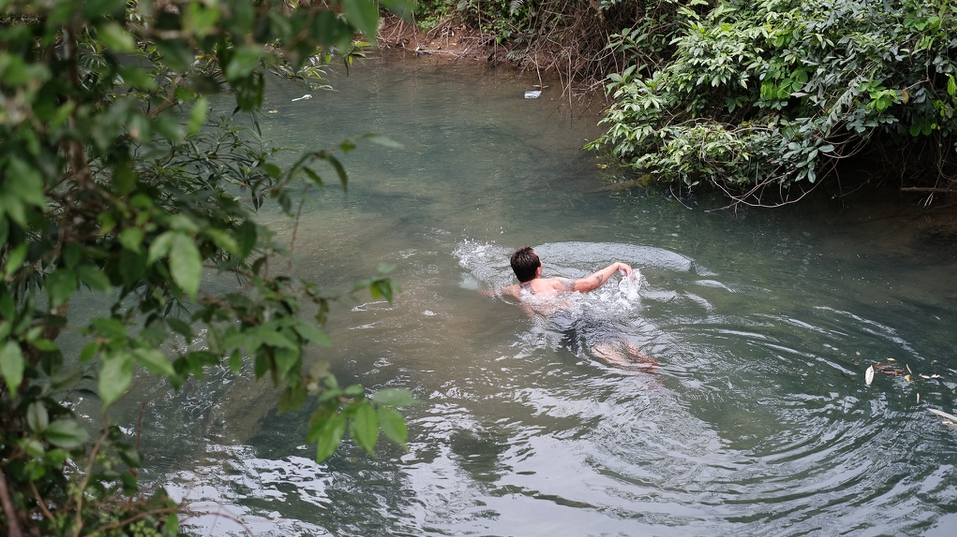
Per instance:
x=755, y=420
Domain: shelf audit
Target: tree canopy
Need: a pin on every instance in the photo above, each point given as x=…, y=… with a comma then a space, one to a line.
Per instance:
x=117, y=187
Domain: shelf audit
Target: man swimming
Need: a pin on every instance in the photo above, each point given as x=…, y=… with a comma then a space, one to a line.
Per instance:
x=532, y=287
x=528, y=269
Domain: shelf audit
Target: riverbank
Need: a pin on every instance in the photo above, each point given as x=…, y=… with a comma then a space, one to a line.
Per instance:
x=453, y=40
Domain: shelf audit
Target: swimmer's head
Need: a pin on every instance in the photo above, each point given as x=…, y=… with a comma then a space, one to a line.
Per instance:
x=525, y=263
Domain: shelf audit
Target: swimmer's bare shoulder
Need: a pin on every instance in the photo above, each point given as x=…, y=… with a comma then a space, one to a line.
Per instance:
x=539, y=287
x=514, y=291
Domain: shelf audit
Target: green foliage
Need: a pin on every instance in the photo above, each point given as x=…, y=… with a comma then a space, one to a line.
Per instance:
x=774, y=92
x=117, y=188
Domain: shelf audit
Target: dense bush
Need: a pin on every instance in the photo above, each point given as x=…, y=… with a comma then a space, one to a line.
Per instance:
x=776, y=92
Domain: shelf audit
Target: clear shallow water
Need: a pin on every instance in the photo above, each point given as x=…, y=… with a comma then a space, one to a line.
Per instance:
x=756, y=420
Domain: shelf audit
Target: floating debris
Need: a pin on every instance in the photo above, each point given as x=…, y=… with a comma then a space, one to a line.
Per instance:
x=533, y=94
x=949, y=417
x=869, y=375
x=304, y=97
x=889, y=369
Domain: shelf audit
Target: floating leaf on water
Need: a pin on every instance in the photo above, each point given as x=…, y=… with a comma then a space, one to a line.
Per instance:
x=918, y=397
x=891, y=359
x=908, y=369
x=907, y=378
x=869, y=375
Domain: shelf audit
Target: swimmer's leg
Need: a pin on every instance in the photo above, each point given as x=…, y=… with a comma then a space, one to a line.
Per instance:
x=623, y=353
x=610, y=353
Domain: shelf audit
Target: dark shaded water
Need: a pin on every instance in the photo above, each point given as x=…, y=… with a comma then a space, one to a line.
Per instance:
x=756, y=422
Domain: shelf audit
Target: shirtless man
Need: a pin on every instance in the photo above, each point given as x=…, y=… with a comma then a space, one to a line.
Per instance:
x=528, y=270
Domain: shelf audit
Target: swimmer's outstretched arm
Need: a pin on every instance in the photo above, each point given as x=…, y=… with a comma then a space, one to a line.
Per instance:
x=590, y=283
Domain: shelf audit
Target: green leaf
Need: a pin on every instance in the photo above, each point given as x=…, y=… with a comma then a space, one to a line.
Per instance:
x=246, y=236
x=363, y=14
x=177, y=54
x=93, y=9
x=171, y=527
x=115, y=37
x=200, y=19
x=292, y=398
x=381, y=289
x=197, y=116
x=116, y=375
x=12, y=366
x=311, y=332
x=37, y=417
x=108, y=327
x=180, y=327
x=32, y=447
x=267, y=335
x=286, y=360
x=236, y=362
x=223, y=240
x=60, y=285
x=244, y=60
x=25, y=182
x=93, y=277
x=393, y=425
x=249, y=91
x=66, y=434
x=185, y=264
x=155, y=362
x=135, y=77
x=90, y=350
x=340, y=170
x=160, y=247
x=365, y=426
x=327, y=432
x=132, y=266
x=15, y=260
x=131, y=238
x=330, y=29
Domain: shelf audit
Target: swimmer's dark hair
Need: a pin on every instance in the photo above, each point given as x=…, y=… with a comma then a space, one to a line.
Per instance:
x=525, y=263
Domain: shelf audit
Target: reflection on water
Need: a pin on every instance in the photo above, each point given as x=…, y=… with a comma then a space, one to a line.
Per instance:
x=755, y=422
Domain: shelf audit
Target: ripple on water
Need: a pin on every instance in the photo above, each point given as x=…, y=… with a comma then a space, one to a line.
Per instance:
x=756, y=421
